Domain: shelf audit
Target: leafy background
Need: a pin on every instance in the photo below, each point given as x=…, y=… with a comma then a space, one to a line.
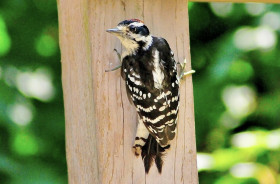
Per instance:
x=235, y=53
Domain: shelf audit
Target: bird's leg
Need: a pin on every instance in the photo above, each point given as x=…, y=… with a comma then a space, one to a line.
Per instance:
x=113, y=69
x=117, y=67
x=142, y=135
x=119, y=55
x=184, y=73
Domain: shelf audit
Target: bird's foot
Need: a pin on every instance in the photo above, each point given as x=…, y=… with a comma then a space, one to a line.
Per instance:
x=113, y=69
x=137, y=150
x=184, y=73
x=118, y=54
x=118, y=66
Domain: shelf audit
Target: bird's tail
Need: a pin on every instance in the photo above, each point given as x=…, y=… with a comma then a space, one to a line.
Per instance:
x=151, y=152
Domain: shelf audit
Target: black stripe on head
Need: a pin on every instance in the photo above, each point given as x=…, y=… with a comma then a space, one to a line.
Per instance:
x=143, y=30
x=127, y=22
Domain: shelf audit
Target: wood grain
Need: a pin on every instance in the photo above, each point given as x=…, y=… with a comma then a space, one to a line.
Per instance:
x=100, y=122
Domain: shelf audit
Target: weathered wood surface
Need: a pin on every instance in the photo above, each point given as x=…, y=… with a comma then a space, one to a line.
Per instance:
x=100, y=122
x=239, y=1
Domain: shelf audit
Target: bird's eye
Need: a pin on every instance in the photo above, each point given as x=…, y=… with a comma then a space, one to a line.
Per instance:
x=133, y=29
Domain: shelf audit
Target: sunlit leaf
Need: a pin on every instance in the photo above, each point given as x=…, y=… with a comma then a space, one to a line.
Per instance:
x=5, y=41
x=228, y=179
x=241, y=71
x=46, y=45
x=25, y=144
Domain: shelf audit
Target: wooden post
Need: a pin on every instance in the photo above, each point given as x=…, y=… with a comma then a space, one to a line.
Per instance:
x=100, y=122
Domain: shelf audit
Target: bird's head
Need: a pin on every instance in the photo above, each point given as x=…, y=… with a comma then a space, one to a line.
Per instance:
x=133, y=34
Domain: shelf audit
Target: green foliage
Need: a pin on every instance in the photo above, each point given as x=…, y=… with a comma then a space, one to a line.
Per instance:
x=235, y=53
x=46, y=45
x=25, y=144
x=32, y=143
x=5, y=41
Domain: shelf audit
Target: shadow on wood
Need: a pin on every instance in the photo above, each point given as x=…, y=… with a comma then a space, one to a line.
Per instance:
x=100, y=122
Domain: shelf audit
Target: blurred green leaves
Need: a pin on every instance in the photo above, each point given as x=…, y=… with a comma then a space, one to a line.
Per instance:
x=241, y=71
x=46, y=45
x=25, y=144
x=36, y=84
x=235, y=51
x=20, y=113
x=31, y=104
x=5, y=41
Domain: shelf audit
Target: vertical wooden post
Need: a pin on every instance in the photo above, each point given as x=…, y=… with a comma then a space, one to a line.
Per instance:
x=100, y=122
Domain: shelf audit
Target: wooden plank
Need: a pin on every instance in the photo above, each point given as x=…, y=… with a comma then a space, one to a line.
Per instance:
x=78, y=90
x=238, y=1
x=100, y=122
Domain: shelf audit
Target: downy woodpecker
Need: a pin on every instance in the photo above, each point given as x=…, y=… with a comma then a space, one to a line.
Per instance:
x=152, y=84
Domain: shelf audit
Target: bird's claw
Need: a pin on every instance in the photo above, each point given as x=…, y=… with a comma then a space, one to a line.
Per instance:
x=136, y=150
x=113, y=69
x=184, y=73
x=119, y=55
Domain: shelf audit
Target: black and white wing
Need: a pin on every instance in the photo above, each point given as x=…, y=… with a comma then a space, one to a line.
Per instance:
x=153, y=87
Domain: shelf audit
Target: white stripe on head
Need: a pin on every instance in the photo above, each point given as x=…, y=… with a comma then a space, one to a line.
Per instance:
x=148, y=41
x=136, y=24
x=122, y=27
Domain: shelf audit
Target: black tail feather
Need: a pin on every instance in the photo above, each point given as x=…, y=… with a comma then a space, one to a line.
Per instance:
x=158, y=159
x=151, y=152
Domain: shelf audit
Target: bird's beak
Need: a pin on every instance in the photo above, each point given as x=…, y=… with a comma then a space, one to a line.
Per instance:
x=114, y=31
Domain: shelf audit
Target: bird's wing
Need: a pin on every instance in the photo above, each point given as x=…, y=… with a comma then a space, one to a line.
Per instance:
x=168, y=100
x=157, y=107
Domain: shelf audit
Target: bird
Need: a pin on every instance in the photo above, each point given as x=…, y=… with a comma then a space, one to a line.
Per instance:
x=152, y=84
